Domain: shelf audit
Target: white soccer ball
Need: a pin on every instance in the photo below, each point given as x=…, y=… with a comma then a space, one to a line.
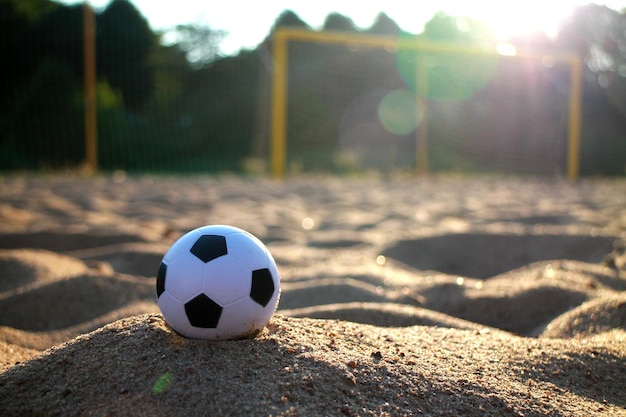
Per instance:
x=218, y=283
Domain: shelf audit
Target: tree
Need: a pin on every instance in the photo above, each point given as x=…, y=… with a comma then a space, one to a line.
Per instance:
x=17, y=18
x=59, y=35
x=289, y=19
x=597, y=34
x=339, y=22
x=18, y=45
x=48, y=122
x=40, y=121
x=124, y=44
x=201, y=44
x=384, y=25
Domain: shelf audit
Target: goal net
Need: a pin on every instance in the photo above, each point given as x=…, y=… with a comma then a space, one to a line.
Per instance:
x=350, y=101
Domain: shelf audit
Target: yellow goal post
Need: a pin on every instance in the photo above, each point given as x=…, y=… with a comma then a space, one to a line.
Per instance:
x=282, y=36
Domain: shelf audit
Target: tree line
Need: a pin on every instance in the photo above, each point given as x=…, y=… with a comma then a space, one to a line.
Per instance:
x=180, y=106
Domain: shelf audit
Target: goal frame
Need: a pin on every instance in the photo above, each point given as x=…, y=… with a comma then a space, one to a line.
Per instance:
x=282, y=36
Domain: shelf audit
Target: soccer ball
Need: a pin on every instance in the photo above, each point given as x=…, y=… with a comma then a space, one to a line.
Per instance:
x=218, y=283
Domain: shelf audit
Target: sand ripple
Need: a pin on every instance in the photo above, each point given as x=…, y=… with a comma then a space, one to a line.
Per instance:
x=444, y=296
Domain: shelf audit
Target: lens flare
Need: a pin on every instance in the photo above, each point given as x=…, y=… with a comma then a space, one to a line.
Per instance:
x=445, y=76
x=399, y=112
x=308, y=223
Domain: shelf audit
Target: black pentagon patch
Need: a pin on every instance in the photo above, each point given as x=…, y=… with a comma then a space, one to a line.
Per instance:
x=209, y=247
x=262, y=288
x=203, y=312
x=160, y=283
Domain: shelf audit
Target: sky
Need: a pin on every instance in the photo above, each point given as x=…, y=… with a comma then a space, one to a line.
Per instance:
x=247, y=22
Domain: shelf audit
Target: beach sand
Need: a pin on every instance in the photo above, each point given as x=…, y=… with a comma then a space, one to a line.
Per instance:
x=439, y=296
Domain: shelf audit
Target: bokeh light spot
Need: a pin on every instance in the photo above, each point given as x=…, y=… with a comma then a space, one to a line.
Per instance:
x=308, y=223
x=506, y=49
x=399, y=112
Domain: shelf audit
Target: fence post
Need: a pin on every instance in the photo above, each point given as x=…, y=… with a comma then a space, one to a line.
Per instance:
x=575, y=103
x=421, y=130
x=89, y=51
x=279, y=105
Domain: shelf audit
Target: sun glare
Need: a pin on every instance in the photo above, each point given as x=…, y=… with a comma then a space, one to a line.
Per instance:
x=506, y=19
x=513, y=19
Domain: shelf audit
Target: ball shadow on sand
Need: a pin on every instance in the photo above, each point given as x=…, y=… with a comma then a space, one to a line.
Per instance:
x=483, y=255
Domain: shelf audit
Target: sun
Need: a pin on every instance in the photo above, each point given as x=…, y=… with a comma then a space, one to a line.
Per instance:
x=504, y=20
x=514, y=19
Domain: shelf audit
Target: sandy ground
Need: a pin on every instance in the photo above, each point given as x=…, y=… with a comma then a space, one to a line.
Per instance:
x=444, y=296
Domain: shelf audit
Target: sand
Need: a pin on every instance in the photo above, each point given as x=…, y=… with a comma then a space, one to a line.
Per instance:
x=440, y=296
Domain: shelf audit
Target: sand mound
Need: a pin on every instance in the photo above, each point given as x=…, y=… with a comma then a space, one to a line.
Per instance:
x=481, y=255
x=138, y=366
x=440, y=297
x=522, y=301
x=38, y=341
x=70, y=302
x=599, y=315
x=384, y=315
x=127, y=258
x=49, y=298
x=14, y=354
x=24, y=268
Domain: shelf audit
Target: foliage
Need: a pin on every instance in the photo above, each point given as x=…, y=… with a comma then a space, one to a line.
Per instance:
x=181, y=106
x=200, y=43
x=124, y=44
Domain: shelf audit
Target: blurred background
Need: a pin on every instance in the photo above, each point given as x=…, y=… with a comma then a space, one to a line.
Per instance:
x=186, y=87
